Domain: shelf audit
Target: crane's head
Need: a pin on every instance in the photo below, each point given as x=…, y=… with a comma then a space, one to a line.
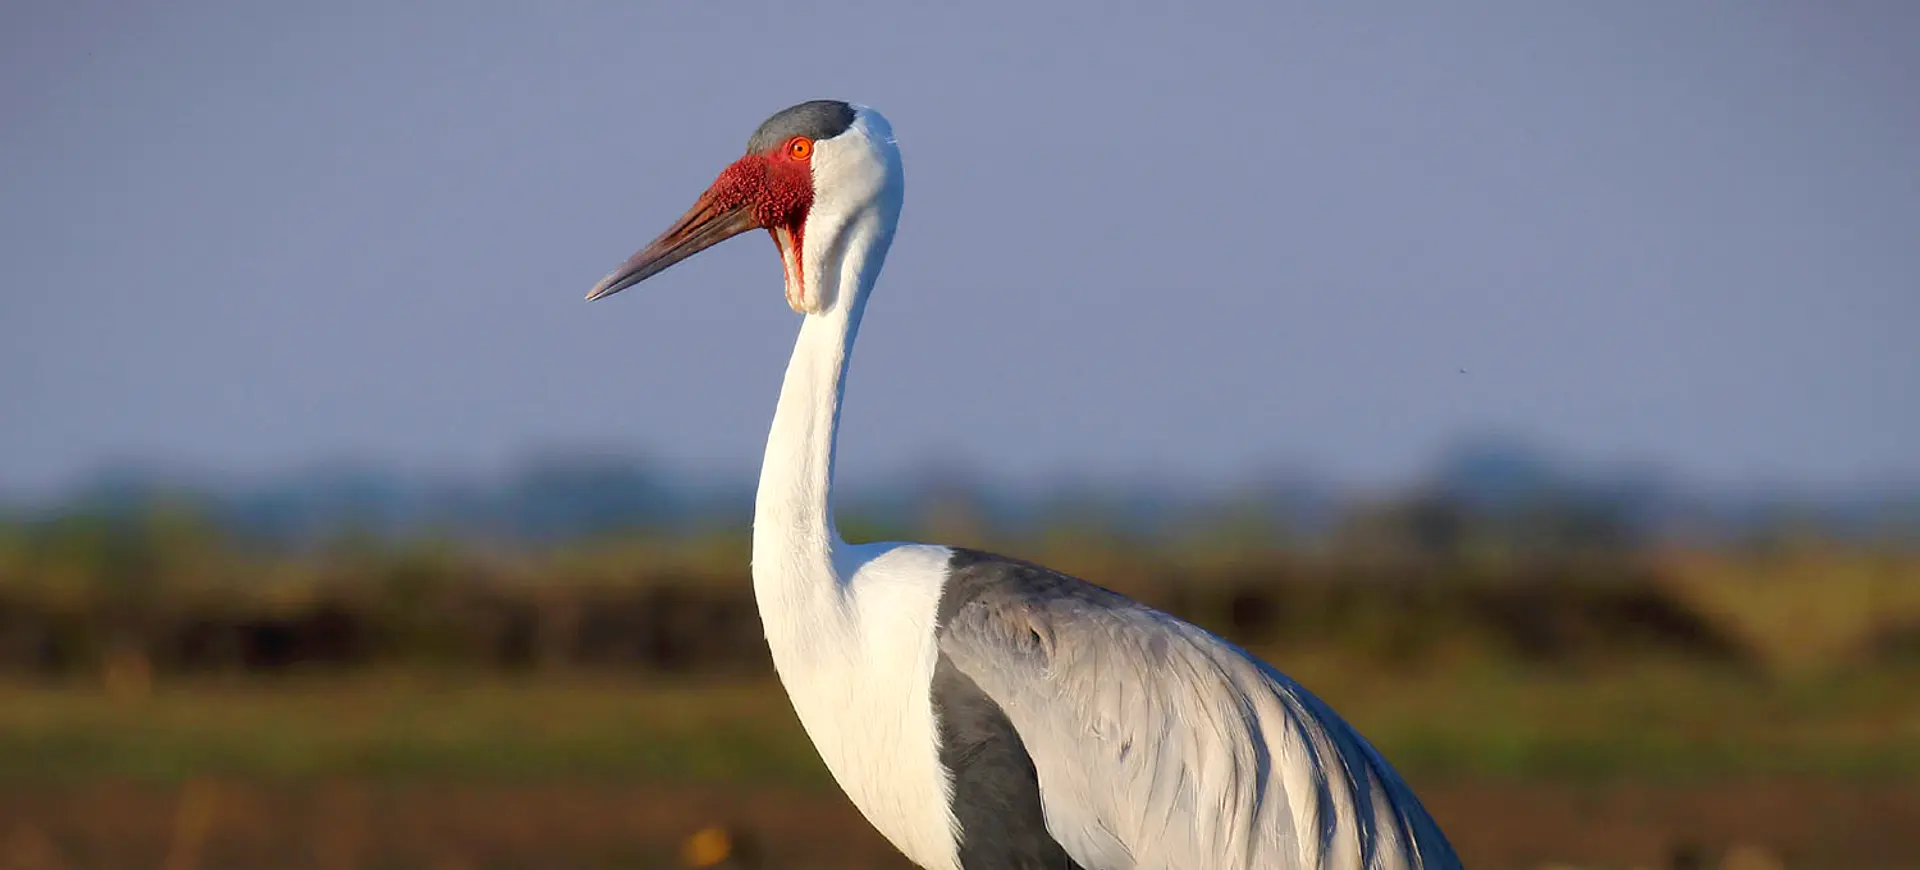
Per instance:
x=823, y=178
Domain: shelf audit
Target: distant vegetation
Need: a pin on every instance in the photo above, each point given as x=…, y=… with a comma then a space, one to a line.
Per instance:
x=600, y=564
x=1502, y=490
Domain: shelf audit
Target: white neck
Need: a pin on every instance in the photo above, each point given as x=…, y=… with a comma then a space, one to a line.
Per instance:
x=851, y=629
x=793, y=532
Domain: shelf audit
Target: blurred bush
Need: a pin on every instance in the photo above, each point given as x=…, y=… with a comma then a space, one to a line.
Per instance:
x=166, y=590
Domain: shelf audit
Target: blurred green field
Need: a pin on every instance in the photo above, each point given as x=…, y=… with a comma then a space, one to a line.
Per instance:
x=1653, y=722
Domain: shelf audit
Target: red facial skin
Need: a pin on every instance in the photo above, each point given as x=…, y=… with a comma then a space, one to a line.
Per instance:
x=777, y=184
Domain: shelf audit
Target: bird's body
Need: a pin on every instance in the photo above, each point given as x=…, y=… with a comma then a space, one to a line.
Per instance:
x=983, y=712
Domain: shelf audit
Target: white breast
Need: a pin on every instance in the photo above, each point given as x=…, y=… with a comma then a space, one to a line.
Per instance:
x=858, y=663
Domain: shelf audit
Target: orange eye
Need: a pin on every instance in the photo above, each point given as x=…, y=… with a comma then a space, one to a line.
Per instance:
x=800, y=148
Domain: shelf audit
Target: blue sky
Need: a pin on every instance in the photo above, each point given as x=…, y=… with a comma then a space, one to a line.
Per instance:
x=1138, y=241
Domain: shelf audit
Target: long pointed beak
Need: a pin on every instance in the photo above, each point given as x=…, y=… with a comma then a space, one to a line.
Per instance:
x=702, y=227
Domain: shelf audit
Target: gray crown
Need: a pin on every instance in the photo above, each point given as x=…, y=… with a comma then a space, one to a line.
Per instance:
x=814, y=119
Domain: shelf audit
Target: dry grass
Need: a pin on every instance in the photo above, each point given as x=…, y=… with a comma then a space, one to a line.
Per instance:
x=1808, y=608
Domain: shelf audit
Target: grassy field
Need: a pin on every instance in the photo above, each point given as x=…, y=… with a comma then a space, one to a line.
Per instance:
x=1649, y=724
x=1617, y=768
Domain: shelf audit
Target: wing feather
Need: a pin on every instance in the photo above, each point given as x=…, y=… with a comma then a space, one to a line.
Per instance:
x=1159, y=745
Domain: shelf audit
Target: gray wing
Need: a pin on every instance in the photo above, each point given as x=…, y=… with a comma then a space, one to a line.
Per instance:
x=1146, y=741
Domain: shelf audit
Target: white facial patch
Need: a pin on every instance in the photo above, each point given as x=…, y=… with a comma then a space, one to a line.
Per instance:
x=857, y=183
